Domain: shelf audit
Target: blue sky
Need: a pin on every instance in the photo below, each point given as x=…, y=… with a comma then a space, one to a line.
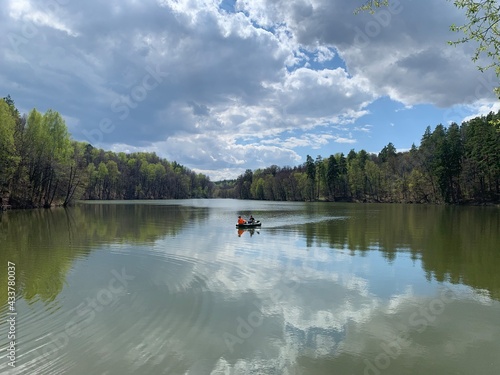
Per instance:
x=223, y=86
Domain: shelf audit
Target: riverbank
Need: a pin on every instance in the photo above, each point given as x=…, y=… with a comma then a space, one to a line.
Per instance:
x=8, y=207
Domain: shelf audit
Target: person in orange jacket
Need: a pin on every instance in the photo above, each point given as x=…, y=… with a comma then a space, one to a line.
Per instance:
x=241, y=220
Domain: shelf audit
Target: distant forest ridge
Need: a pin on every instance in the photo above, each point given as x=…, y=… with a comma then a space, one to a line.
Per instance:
x=455, y=164
x=41, y=166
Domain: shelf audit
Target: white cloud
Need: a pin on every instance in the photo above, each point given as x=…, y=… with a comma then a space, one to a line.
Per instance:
x=365, y=128
x=483, y=108
x=314, y=141
x=224, y=83
x=324, y=54
x=27, y=13
x=324, y=94
x=345, y=140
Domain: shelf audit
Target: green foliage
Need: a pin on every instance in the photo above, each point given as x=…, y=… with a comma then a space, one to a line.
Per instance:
x=41, y=166
x=373, y=180
x=483, y=27
x=387, y=153
x=371, y=5
x=47, y=155
x=356, y=177
x=332, y=176
x=457, y=164
x=44, y=243
x=8, y=153
x=142, y=176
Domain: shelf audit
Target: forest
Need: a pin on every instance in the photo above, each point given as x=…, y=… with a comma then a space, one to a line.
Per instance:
x=42, y=166
x=453, y=165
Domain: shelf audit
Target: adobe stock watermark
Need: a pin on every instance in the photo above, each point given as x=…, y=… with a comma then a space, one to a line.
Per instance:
x=381, y=19
x=245, y=326
x=122, y=106
x=418, y=321
x=84, y=314
x=29, y=30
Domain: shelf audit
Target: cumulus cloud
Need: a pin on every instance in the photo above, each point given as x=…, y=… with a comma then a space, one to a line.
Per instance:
x=223, y=78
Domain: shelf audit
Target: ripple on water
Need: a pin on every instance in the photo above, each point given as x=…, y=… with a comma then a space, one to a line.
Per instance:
x=152, y=323
x=155, y=321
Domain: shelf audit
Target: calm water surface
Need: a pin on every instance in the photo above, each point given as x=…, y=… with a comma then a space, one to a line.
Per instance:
x=171, y=287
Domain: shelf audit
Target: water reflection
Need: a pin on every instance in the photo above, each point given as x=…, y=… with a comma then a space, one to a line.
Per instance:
x=168, y=288
x=250, y=232
x=45, y=243
x=456, y=244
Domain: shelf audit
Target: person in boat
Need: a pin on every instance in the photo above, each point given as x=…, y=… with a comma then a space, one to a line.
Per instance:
x=251, y=220
x=241, y=220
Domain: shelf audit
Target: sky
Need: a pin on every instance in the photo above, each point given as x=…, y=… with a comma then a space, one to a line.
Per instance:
x=225, y=86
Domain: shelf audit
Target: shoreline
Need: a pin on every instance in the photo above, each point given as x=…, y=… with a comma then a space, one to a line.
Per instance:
x=8, y=207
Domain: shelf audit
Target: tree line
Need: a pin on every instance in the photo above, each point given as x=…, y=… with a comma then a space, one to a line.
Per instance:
x=454, y=164
x=41, y=165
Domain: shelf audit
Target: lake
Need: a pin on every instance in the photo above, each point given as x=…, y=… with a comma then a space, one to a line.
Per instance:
x=172, y=287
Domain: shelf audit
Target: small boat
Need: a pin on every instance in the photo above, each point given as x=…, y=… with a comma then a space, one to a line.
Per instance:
x=249, y=225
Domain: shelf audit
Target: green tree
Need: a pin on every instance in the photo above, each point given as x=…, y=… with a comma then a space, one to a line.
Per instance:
x=332, y=176
x=373, y=179
x=57, y=154
x=49, y=149
x=303, y=186
x=321, y=173
x=243, y=184
x=35, y=140
x=363, y=158
x=419, y=187
x=482, y=156
x=343, y=179
x=257, y=188
x=388, y=153
x=102, y=181
x=91, y=176
x=112, y=180
x=311, y=176
x=356, y=177
x=438, y=166
x=427, y=155
x=269, y=190
x=160, y=174
x=75, y=175
x=8, y=154
x=454, y=161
